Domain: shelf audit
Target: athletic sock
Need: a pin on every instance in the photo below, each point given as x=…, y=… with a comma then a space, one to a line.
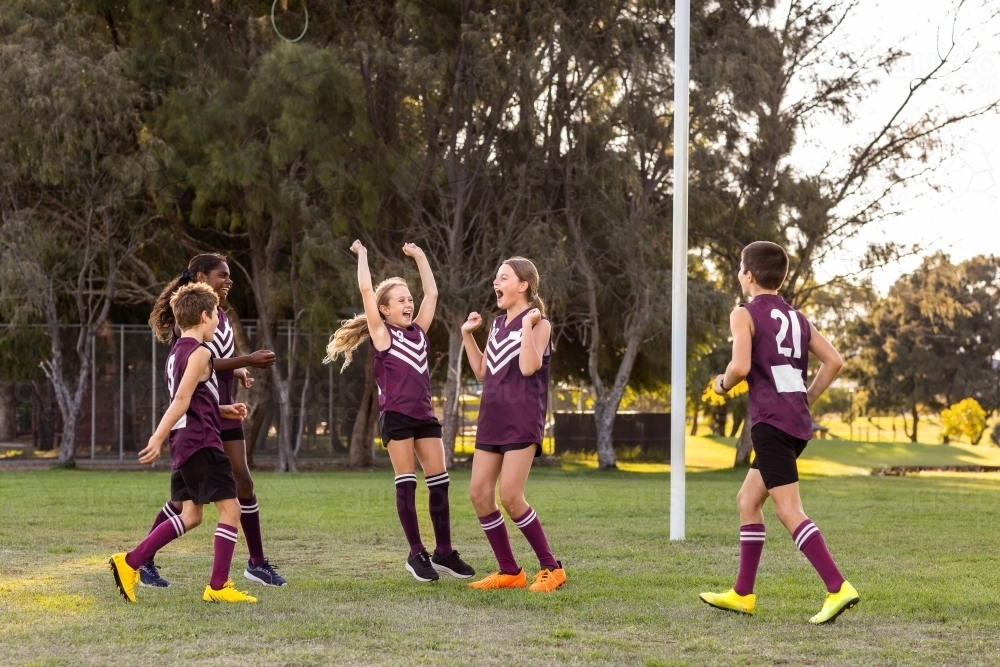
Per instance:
x=168, y=531
x=812, y=545
x=250, y=523
x=440, y=511
x=751, y=547
x=531, y=526
x=406, y=507
x=168, y=510
x=225, y=544
x=496, y=532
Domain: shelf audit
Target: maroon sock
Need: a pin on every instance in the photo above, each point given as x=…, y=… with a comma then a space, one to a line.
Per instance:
x=751, y=547
x=158, y=538
x=531, y=526
x=440, y=511
x=168, y=510
x=225, y=544
x=812, y=545
x=406, y=508
x=250, y=523
x=496, y=532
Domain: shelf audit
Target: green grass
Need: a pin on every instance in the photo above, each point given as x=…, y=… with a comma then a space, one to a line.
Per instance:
x=922, y=552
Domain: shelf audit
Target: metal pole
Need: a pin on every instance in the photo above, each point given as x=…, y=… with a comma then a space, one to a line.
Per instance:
x=678, y=326
x=121, y=392
x=93, y=396
x=152, y=386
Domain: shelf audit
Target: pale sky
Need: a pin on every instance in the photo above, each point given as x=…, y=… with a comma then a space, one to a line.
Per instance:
x=964, y=218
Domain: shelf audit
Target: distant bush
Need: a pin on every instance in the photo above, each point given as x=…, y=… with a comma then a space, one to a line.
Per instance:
x=966, y=418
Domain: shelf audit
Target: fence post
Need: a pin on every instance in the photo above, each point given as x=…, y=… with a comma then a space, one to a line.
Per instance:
x=121, y=392
x=93, y=397
x=152, y=386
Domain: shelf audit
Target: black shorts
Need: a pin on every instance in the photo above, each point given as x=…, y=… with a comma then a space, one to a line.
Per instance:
x=204, y=478
x=397, y=426
x=232, y=434
x=776, y=452
x=503, y=449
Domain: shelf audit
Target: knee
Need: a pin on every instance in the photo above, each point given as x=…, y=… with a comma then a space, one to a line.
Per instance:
x=747, y=503
x=244, y=482
x=191, y=520
x=482, y=498
x=513, y=502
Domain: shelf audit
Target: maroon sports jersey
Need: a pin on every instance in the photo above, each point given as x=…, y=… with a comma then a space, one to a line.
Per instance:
x=200, y=426
x=512, y=407
x=401, y=372
x=779, y=363
x=223, y=346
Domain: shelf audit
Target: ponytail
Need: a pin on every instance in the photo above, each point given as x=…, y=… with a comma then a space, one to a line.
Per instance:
x=354, y=331
x=161, y=320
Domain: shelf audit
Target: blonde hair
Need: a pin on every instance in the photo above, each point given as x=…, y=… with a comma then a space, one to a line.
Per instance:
x=354, y=331
x=526, y=271
x=190, y=301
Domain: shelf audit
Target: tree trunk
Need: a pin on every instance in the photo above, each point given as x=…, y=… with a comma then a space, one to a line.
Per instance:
x=449, y=431
x=286, y=457
x=67, y=443
x=604, y=420
x=744, y=446
x=360, y=450
x=916, y=419
x=738, y=417
x=301, y=427
x=694, y=422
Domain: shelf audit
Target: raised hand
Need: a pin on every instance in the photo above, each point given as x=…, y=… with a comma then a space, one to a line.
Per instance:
x=357, y=248
x=532, y=317
x=412, y=250
x=472, y=323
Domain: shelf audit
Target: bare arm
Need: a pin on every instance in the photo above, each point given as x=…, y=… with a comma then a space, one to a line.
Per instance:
x=535, y=334
x=425, y=317
x=259, y=359
x=198, y=369
x=741, y=325
x=376, y=327
x=830, y=363
x=477, y=361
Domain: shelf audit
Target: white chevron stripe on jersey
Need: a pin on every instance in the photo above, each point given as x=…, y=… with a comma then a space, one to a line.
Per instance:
x=213, y=388
x=420, y=369
x=500, y=364
x=495, y=352
x=416, y=357
x=181, y=423
x=403, y=339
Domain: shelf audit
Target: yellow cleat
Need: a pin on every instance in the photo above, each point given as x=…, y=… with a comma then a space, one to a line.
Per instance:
x=836, y=604
x=125, y=577
x=547, y=580
x=501, y=580
x=227, y=593
x=731, y=601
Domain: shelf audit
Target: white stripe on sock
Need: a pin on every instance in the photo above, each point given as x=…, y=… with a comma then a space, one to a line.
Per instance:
x=178, y=525
x=225, y=532
x=805, y=534
x=526, y=520
x=249, y=509
x=438, y=480
x=402, y=479
x=492, y=524
x=169, y=510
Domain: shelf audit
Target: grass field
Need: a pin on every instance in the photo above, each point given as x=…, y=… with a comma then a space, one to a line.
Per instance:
x=923, y=552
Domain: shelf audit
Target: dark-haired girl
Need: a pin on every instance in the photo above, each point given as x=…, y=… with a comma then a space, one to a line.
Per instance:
x=515, y=376
x=213, y=270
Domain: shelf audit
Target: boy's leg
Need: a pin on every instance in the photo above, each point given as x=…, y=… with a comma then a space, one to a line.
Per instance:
x=163, y=534
x=225, y=541
x=808, y=538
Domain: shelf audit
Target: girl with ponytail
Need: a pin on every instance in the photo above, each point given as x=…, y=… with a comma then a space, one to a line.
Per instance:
x=406, y=419
x=213, y=270
x=515, y=376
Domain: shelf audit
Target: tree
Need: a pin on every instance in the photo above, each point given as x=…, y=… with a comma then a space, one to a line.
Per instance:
x=931, y=340
x=966, y=418
x=73, y=219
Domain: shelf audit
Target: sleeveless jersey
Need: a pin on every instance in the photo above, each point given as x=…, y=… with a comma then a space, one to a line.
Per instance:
x=404, y=383
x=199, y=427
x=779, y=362
x=512, y=407
x=223, y=346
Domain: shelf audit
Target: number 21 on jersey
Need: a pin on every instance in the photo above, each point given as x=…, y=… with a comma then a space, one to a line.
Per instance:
x=787, y=378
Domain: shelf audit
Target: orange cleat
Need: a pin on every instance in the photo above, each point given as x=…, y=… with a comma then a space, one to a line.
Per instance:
x=501, y=580
x=548, y=580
